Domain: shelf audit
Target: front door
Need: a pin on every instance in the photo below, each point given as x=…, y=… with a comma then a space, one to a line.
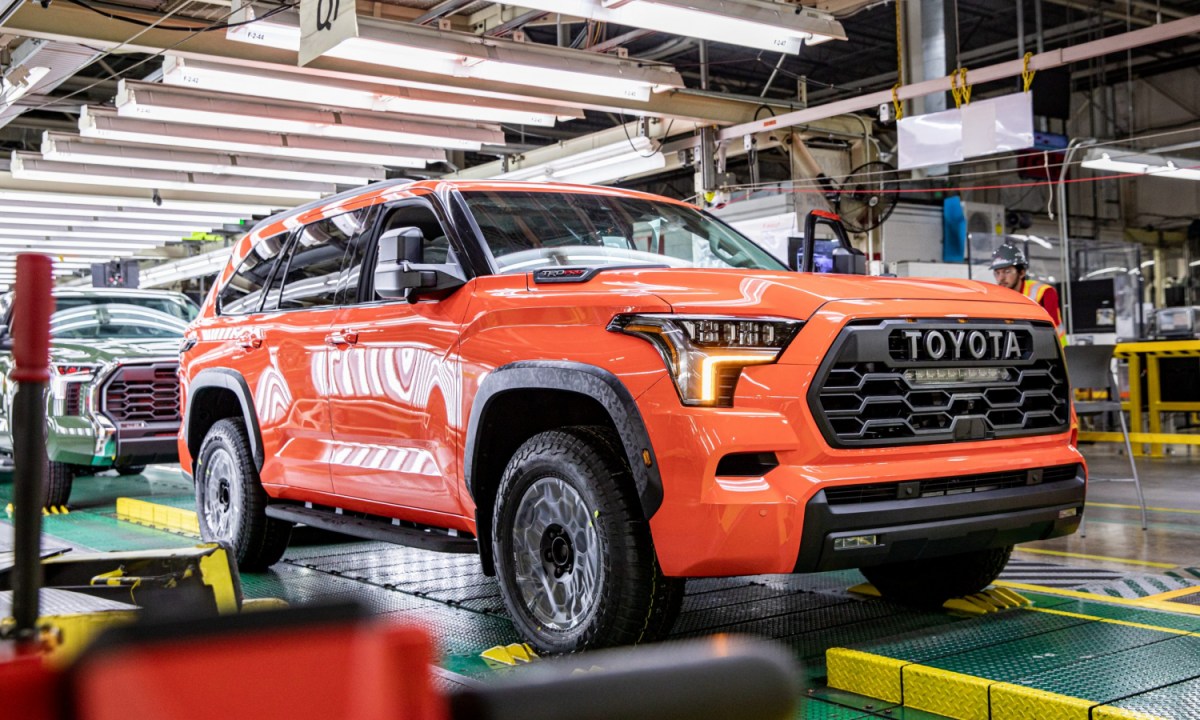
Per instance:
x=395, y=386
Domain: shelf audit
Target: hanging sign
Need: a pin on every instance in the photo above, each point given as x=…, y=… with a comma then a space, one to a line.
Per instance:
x=324, y=24
x=983, y=127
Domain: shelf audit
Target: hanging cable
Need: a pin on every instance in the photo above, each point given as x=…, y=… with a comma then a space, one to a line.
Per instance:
x=1026, y=73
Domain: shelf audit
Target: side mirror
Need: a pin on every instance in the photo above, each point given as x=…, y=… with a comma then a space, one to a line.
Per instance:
x=399, y=272
x=844, y=258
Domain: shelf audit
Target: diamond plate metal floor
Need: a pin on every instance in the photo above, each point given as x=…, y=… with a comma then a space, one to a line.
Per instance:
x=1067, y=645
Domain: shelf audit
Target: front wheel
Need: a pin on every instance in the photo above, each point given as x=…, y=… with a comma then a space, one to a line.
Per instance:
x=933, y=581
x=59, y=479
x=231, y=501
x=574, y=557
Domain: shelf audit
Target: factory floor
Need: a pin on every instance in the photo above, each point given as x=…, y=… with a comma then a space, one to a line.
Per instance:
x=1110, y=622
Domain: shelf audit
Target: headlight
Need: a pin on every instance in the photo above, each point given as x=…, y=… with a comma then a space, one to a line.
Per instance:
x=705, y=355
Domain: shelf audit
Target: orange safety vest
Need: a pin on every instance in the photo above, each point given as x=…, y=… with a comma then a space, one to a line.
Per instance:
x=1035, y=291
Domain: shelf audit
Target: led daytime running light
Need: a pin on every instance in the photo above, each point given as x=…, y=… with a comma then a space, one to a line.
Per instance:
x=701, y=352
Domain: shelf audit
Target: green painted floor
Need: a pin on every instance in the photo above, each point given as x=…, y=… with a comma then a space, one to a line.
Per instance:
x=1136, y=658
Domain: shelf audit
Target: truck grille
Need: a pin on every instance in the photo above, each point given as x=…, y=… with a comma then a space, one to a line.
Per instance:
x=880, y=492
x=143, y=393
x=898, y=382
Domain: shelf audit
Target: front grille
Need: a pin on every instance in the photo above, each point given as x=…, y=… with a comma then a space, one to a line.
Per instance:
x=143, y=393
x=879, y=492
x=884, y=385
x=73, y=404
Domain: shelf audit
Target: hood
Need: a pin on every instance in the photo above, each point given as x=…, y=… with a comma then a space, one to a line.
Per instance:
x=786, y=294
x=112, y=350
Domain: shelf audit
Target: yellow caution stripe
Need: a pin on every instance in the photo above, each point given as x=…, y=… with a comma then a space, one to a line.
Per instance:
x=993, y=599
x=864, y=673
x=162, y=517
x=946, y=693
x=48, y=510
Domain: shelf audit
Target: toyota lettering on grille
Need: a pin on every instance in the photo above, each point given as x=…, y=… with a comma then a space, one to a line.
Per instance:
x=962, y=345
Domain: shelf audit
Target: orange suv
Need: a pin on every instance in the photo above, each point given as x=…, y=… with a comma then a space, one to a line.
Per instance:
x=604, y=392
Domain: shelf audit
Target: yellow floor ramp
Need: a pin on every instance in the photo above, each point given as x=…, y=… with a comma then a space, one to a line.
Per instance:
x=959, y=696
x=1059, y=658
x=162, y=517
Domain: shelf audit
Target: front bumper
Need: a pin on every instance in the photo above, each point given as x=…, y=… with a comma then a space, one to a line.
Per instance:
x=925, y=527
x=94, y=441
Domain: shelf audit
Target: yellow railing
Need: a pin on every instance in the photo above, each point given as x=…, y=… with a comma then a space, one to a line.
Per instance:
x=1137, y=354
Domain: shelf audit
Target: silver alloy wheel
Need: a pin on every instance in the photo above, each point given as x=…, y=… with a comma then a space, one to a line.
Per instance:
x=223, y=500
x=556, y=555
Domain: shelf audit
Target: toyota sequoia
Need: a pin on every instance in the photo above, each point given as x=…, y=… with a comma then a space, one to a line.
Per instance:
x=604, y=392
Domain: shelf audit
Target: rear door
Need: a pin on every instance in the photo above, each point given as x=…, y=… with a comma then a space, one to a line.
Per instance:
x=395, y=383
x=291, y=396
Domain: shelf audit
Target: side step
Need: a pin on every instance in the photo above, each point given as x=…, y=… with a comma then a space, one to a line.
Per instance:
x=374, y=528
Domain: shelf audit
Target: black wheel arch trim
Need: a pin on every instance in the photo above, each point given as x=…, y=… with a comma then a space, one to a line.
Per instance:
x=594, y=382
x=231, y=380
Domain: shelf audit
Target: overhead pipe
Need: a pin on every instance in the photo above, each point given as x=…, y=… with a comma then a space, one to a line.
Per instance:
x=990, y=73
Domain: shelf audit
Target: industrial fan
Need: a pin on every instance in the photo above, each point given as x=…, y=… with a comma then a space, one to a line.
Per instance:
x=868, y=195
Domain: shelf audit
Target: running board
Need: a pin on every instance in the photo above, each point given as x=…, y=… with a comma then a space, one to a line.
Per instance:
x=374, y=528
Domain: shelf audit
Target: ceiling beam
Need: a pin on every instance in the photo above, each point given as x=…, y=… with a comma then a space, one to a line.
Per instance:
x=62, y=21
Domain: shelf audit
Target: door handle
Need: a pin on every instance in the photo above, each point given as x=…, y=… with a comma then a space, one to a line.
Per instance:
x=337, y=338
x=250, y=341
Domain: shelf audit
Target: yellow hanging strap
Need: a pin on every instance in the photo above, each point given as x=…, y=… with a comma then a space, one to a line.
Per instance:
x=959, y=87
x=1026, y=73
x=896, y=104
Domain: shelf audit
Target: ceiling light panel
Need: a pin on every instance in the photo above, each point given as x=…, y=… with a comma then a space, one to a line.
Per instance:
x=485, y=58
x=28, y=166
x=60, y=213
x=59, y=147
x=758, y=24
x=149, y=101
x=107, y=125
x=13, y=215
x=323, y=91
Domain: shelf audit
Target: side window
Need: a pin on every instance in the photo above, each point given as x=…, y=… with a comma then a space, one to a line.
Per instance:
x=243, y=293
x=435, y=250
x=314, y=262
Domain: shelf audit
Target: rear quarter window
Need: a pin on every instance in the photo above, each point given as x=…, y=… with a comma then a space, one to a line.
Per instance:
x=243, y=293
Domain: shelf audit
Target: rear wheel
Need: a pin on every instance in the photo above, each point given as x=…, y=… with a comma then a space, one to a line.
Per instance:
x=574, y=557
x=59, y=478
x=935, y=580
x=231, y=501
x=127, y=470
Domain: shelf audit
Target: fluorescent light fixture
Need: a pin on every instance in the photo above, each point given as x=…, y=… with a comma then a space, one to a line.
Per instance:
x=19, y=81
x=140, y=236
x=776, y=26
x=7, y=247
x=58, y=214
x=103, y=124
x=324, y=91
x=209, y=263
x=61, y=242
x=1106, y=271
x=467, y=55
x=603, y=164
x=59, y=147
x=27, y=166
x=149, y=101
x=145, y=204
x=1131, y=161
x=14, y=216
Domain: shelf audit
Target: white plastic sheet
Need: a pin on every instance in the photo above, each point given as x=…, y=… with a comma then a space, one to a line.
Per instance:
x=983, y=127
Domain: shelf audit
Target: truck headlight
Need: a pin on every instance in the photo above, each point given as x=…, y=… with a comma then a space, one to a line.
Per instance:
x=705, y=355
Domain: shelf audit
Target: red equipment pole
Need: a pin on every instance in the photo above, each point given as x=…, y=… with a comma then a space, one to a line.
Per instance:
x=32, y=306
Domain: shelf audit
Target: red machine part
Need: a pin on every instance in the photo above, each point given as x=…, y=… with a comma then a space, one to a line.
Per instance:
x=32, y=306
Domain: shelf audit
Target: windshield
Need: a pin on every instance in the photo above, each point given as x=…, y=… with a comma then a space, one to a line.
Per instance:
x=176, y=306
x=114, y=320
x=530, y=230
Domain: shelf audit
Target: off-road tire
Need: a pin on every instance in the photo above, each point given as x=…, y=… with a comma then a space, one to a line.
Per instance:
x=230, y=500
x=935, y=580
x=129, y=470
x=631, y=601
x=59, y=478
